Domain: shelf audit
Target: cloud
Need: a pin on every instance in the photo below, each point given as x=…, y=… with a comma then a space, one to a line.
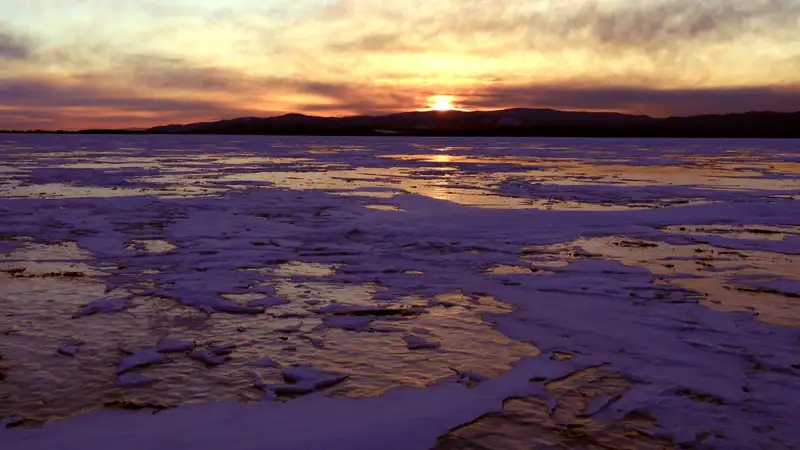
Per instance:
x=642, y=100
x=160, y=72
x=13, y=47
x=82, y=103
x=543, y=26
x=43, y=92
x=200, y=61
x=366, y=100
x=174, y=91
x=375, y=42
x=176, y=74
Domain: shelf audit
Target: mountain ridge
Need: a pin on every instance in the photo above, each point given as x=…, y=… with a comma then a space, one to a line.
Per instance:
x=506, y=122
x=415, y=119
x=543, y=122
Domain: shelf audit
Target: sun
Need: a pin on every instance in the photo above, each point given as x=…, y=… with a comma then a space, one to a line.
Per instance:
x=441, y=103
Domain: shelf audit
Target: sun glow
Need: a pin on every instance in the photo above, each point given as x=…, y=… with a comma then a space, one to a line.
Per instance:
x=441, y=103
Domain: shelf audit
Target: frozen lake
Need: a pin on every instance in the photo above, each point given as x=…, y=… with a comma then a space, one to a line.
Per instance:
x=392, y=293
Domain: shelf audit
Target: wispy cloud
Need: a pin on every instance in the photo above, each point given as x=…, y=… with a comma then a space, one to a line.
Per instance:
x=539, y=25
x=13, y=47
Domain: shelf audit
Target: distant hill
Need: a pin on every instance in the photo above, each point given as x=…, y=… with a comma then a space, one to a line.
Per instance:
x=508, y=122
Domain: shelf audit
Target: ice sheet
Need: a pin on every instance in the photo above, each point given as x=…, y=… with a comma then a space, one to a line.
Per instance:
x=418, y=271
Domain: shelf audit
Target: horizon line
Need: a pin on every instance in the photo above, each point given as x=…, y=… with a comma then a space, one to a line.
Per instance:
x=427, y=110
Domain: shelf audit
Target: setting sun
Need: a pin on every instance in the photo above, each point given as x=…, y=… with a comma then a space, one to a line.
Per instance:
x=441, y=103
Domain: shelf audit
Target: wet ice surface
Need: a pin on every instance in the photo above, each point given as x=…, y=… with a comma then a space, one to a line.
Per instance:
x=631, y=293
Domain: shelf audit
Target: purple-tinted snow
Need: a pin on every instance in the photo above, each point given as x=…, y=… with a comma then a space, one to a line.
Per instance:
x=353, y=261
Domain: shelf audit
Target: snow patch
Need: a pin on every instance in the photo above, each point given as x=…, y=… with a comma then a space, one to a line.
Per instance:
x=418, y=343
x=105, y=305
x=141, y=358
x=129, y=380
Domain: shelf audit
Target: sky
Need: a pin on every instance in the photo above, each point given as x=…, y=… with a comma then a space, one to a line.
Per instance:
x=70, y=64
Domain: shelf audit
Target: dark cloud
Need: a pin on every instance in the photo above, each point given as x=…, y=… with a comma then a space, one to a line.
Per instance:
x=657, y=102
x=333, y=90
x=208, y=93
x=375, y=42
x=30, y=103
x=176, y=73
x=14, y=47
x=49, y=119
x=30, y=92
x=89, y=100
x=367, y=102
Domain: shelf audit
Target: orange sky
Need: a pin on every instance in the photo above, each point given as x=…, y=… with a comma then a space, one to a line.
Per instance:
x=131, y=63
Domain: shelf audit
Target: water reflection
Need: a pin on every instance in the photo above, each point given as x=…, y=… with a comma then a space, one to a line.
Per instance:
x=533, y=421
x=44, y=285
x=726, y=280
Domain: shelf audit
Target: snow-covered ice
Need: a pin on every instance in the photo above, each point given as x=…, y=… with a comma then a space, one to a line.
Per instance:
x=264, y=362
x=170, y=345
x=105, y=305
x=634, y=292
x=210, y=358
x=67, y=350
x=141, y=358
x=417, y=343
x=133, y=380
